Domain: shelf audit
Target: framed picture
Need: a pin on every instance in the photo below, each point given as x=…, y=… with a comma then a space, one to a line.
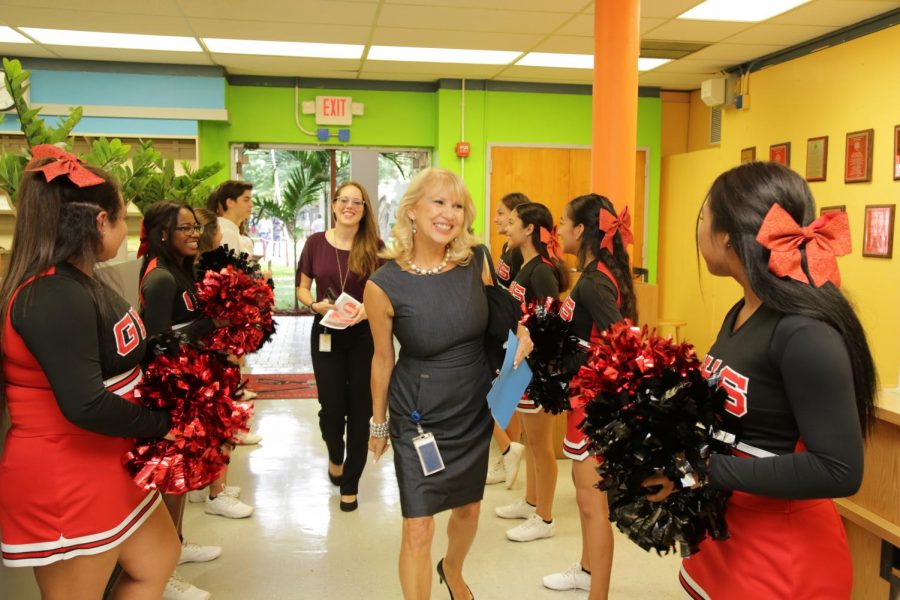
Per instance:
x=781, y=153
x=816, y=158
x=748, y=154
x=897, y=152
x=835, y=208
x=878, y=239
x=858, y=156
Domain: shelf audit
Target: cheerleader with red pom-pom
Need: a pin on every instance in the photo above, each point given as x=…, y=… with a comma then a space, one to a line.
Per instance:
x=72, y=349
x=590, y=229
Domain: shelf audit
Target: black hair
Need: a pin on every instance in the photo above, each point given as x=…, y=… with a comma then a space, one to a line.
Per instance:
x=228, y=190
x=585, y=210
x=539, y=216
x=160, y=220
x=739, y=200
x=514, y=199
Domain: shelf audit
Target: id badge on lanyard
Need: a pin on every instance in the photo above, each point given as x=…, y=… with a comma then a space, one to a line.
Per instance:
x=325, y=342
x=426, y=448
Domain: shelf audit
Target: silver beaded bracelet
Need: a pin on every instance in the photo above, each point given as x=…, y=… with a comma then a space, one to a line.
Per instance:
x=379, y=430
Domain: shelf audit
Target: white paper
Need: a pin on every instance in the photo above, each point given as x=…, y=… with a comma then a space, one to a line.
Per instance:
x=343, y=314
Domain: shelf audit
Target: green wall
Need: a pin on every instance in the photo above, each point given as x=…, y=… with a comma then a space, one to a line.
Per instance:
x=432, y=120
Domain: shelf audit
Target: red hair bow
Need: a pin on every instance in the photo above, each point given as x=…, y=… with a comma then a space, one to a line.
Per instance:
x=144, y=248
x=826, y=238
x=65, y=164
x=551, y=239
x=610, y=225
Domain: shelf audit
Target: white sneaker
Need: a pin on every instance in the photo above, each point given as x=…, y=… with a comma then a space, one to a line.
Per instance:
x=532, y=529
x=573, y=578
x=511, y=461
x=198, y=496
x=517, y=510
x=197, y=553
x=227, y=506
x=248, y=438
x=179, y=589
x=496, y=473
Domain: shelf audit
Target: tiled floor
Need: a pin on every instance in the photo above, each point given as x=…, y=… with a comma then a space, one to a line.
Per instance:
x=288, y=352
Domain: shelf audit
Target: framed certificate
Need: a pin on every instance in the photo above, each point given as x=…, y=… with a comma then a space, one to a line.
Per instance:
x=781, y=153
x=897, y=152
x=748, y=154
x=858, y=156
x=878, y=238
x=835, y=208
x=816, y=158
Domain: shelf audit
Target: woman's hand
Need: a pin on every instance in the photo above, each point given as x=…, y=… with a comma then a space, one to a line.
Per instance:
x=360, y=314
x=659, y=479
x=378, y=446
x=321, y=307
x=525, y=345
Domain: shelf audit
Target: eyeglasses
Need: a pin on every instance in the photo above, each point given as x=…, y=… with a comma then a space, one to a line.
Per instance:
x=186, y=229
x=345, y=200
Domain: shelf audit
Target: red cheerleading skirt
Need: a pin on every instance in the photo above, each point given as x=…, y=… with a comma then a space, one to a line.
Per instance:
x=778, y=550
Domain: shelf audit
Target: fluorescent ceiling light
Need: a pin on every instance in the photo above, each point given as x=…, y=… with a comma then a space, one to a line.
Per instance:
x=298, y=49
x=578, y=61
x=102, y=39
x=11, y=36
x=442, y=55
x=553, y=59
x=751, y=11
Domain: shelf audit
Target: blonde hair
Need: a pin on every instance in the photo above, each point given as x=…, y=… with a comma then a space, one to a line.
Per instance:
x=461, y=247
x=210, y=223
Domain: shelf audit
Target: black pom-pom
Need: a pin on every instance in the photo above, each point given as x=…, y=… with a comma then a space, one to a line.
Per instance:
x=554, y=349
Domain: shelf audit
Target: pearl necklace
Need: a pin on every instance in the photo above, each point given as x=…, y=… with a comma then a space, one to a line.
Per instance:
x=420, y=271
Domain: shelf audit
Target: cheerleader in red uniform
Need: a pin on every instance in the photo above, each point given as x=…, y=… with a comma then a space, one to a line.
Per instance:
x=591, y=230
x=542, y=276
x=71, y=359
x=793, y=359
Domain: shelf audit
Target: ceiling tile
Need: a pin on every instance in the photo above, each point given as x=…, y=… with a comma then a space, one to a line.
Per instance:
x=666, y=9
x=649, y=24
x=563, y=6
x=694, y=66
x=388, y=76
x=580, y=25
x=737, y=53
x=141, y=56
x=673, y=81
x=465, y=20
x=423, y=38
x=836, y=13
x=25, y=50
x=81, y=20
x=785, y=34
x=279, y=32
x=437, y=69
x=133, y=7
x=696, y=31
x=335, y=12
x=547, y=74
x=566, y=44
x=285, y=65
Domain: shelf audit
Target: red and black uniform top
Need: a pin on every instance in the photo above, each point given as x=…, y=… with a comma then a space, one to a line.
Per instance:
x=535, y=281
x=790, y=387
x=168, y=302
x=509, y=265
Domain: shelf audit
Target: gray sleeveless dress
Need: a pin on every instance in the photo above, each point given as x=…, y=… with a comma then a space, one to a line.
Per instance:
x=440, y=322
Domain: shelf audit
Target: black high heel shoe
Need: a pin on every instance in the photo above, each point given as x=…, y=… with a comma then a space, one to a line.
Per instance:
x=442, y=579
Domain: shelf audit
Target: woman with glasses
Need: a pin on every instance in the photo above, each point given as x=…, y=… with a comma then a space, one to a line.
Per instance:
x=340, y=261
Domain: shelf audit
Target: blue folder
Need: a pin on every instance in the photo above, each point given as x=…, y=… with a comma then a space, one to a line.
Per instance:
x=509, y=385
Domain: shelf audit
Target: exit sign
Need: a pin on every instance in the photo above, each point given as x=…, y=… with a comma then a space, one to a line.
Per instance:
x=334, y=110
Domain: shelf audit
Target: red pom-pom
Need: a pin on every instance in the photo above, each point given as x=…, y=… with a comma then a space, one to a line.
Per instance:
x=246, y=302
x=198, y=389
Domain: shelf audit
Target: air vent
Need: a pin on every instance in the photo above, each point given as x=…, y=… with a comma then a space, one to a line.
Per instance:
x=715, y=125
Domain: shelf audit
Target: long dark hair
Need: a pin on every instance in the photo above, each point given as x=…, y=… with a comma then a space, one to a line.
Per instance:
x=739, y=200
x=56, y=221
x=585, y=210
x=514, y=199
x=366, y=243
x=538, y=215
x=160, y=220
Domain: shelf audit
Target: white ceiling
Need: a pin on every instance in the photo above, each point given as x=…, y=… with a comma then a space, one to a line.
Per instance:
x=521, y=25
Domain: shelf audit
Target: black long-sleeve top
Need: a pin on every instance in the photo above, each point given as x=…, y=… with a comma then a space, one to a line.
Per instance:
x=168, y=301
x=60, y=325
x=536, y=280
x=591, y=307
x=790, y=385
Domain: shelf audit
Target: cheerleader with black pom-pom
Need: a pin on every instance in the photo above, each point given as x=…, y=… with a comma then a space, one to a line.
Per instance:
x=542, y=276
x=591, y=230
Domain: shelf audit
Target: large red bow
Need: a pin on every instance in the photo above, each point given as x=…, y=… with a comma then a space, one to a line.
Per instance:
x=826, y=238
x=144, y=248
x=65, y=164
x=610, y=225
x=551, y=239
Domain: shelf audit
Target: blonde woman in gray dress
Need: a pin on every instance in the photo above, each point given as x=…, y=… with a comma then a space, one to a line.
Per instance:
x=431, y=405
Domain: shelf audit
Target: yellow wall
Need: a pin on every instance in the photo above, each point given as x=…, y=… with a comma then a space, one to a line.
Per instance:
x=676, y=116
x=831, y=92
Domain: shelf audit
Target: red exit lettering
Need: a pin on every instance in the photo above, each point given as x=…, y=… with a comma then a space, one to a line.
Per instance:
x=334, y=107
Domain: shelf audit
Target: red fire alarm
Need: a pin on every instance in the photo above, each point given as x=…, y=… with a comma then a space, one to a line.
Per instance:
x=463, y=149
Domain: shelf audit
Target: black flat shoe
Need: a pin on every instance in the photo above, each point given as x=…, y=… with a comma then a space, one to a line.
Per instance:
x=335, y=479
x=349, y=506
x=442, y=579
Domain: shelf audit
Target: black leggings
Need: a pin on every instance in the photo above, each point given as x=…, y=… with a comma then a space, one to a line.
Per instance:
x=345, y=397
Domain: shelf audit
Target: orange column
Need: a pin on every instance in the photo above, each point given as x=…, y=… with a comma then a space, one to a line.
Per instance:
x=617, y=42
